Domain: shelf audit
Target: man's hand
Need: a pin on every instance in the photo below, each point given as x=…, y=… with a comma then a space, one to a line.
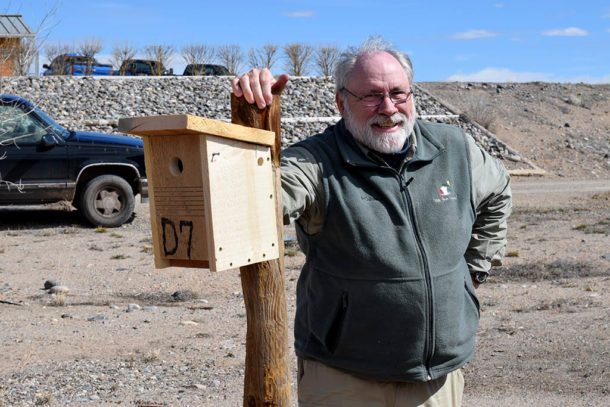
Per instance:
x=258, y=86
x=475, y=284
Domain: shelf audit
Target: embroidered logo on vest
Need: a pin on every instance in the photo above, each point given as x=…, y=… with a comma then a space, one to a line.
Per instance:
x=445, y=193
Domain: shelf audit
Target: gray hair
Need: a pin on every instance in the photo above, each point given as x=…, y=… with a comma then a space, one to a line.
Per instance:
x=371, y=45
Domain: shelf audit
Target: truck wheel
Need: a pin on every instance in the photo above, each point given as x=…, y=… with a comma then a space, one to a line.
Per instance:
x=107, y=201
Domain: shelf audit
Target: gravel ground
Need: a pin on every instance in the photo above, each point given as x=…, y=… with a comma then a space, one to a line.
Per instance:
x=121, y=336
x=543, y=338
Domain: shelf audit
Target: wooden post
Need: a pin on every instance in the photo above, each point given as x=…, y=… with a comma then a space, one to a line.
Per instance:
x=267, y=375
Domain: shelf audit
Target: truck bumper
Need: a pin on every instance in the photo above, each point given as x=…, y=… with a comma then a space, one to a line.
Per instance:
x=143, y=190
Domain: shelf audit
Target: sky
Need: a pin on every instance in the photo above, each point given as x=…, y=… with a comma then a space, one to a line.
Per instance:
x=483, y=41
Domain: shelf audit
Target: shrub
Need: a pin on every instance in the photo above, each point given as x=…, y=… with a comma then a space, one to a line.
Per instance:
x=478, y=109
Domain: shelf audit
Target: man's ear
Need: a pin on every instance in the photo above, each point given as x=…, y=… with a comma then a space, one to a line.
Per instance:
x=339, y=103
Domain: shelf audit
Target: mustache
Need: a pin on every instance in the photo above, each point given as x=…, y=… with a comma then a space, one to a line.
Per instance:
x=383, y=120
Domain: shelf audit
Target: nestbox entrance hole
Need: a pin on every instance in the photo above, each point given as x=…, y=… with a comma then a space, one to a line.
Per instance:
x=175, y=166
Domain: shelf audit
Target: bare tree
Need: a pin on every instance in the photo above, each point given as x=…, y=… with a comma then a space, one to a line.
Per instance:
x=53, y=50
x=89, y=48
x=231, y=57
x=17, y=125
x=122, y=53
x=263, y=57
x=13, y=122
x=298, y=58
x=22, y=53
x=161, y=54
x=198, y=54
x=326, y=59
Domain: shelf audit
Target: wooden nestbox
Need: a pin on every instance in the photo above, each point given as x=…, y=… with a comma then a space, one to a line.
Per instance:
x=211, y=188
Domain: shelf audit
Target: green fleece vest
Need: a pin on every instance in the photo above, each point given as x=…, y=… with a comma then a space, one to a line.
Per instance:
x=385, y=292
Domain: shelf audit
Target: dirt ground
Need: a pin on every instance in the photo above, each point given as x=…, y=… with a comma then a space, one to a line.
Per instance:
x=543, y=338
x=562, y=128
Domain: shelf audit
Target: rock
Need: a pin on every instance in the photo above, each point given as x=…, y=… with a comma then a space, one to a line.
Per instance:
x=51, y=283
x=97, y=318
x=573, y=100
x=59, y=289
x=184, y=295
x=606, y=256
x=133, y=307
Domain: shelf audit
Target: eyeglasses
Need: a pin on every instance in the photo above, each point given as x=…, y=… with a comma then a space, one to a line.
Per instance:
x=375, y=99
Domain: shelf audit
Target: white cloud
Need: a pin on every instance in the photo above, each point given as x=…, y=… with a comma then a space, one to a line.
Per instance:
x=499, y=5
x=607, y=15
x=500, y=75
x=472, y=34
x=566, y=32
x=462, y=58
x=506, y=75
x=301, y=14
x=589, y=79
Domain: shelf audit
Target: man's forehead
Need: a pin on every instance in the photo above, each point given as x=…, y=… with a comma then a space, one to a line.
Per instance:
x=380, y=69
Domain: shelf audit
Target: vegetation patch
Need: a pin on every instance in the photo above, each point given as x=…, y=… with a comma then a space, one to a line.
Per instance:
x=560, y=269
x=561, y=305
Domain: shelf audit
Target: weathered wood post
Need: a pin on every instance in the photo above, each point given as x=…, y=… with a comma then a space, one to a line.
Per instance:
x=267, y=376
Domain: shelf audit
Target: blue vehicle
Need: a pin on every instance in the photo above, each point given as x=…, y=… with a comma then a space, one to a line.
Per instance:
x=76, y=65
x=42, y=162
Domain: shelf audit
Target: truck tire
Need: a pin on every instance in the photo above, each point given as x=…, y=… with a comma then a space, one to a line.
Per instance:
x=107, y=201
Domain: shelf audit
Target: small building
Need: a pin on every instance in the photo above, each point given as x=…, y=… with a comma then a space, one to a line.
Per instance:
x=13, y=30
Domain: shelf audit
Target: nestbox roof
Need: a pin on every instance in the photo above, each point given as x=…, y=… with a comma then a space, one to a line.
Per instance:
x=188, y=124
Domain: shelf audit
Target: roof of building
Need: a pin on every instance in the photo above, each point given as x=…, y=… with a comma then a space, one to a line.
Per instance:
x=13, y=26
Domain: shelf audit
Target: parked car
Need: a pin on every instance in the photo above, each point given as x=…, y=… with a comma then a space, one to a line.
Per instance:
x=76, y=65
x=143, y=67
x=42, y=162
x=205, y=69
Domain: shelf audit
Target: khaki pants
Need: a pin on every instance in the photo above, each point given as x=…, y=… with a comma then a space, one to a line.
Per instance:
x=322, y=386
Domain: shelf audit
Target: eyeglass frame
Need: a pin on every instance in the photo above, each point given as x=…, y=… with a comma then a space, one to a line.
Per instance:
x=381, y=95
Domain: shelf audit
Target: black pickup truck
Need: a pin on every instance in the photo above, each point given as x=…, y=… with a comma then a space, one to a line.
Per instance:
x=42, y=162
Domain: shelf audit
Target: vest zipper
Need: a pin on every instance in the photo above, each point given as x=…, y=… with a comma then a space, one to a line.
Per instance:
x=429, y=345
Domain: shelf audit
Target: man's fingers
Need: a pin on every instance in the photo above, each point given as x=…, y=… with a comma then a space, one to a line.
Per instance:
x=266, y=82
x=236, y=88
x=280, y=84
x=256, y=85
x=259, y=86
x=244, y=83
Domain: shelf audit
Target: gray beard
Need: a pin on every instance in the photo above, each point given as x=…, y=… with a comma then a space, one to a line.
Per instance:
x=385, y=142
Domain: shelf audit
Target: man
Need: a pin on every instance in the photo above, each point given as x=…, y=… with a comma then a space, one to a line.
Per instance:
x=400, y=220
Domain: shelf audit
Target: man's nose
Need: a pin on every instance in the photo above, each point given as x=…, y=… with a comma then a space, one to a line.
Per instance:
x=387, y=107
